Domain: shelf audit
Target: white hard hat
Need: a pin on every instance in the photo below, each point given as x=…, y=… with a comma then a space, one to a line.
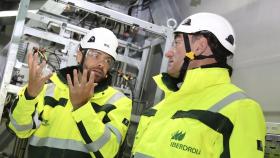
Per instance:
x=101, y=39
x=213, y=23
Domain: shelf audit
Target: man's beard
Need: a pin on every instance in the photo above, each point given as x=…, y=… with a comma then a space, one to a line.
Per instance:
x=98, y=76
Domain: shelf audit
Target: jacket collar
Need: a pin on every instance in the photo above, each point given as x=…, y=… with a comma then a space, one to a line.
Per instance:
x=198, y=79
x=201, y=78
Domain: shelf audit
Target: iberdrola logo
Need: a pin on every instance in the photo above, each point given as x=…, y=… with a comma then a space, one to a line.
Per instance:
x=176, y=143
x=178, y=135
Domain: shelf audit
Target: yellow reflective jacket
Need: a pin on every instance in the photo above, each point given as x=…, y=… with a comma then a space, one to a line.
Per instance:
x=208, y=117
x=96, y=129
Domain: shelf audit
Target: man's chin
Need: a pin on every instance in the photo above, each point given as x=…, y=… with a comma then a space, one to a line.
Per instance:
x=98, y=79
x=172, y=74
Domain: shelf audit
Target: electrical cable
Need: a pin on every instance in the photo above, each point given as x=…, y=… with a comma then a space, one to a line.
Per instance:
x=41, y=53
x=82, y=19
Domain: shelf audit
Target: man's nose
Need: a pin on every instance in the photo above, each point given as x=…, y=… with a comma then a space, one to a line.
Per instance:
x=169, y=53
x=101, y=63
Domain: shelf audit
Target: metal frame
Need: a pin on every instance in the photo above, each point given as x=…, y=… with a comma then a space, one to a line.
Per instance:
x=272, y=146
x=164, y=36
x=273, y=128
x=13, y=48
x=123, y=18
x=163, y=68
x=69, y=27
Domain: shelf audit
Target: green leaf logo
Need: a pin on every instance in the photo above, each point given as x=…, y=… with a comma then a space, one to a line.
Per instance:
x=178, y=135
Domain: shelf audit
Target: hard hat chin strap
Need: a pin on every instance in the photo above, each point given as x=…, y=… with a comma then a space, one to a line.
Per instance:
x=80, y=66
x=184, y=69
x=189, y=57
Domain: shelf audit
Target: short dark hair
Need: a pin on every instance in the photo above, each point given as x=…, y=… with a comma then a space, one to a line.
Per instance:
x=220, y=53
x=176, y=34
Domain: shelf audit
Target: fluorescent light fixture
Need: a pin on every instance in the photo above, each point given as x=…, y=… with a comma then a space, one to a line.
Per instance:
x=13, y=13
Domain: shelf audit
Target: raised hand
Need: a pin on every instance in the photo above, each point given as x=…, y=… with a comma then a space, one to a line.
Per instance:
x=36, y=78
x=80, y=90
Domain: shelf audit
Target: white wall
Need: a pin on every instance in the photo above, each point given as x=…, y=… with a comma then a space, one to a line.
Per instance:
x=257, y=64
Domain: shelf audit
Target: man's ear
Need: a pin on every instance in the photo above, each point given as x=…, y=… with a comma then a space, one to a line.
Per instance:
x=203, y=46
x=79, y=57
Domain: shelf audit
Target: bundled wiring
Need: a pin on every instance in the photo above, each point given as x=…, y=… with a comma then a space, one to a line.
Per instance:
x=41, y=52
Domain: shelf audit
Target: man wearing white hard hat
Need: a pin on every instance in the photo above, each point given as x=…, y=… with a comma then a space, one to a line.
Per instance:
x=203, y=115
x=77, y=114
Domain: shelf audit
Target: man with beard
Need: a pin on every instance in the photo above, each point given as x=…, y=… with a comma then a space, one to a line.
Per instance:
x=77, y=114
x=203, y=115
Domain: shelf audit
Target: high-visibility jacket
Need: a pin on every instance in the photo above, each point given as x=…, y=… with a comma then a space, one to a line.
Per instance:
x=96, y=129
x=208, y=117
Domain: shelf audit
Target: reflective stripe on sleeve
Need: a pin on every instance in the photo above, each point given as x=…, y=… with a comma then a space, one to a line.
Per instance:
x=20, y=127
x=115, y=131
x=100, y=142
x=59, y=143
x=141, y=155
x=227, y=100
x=115, y=97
